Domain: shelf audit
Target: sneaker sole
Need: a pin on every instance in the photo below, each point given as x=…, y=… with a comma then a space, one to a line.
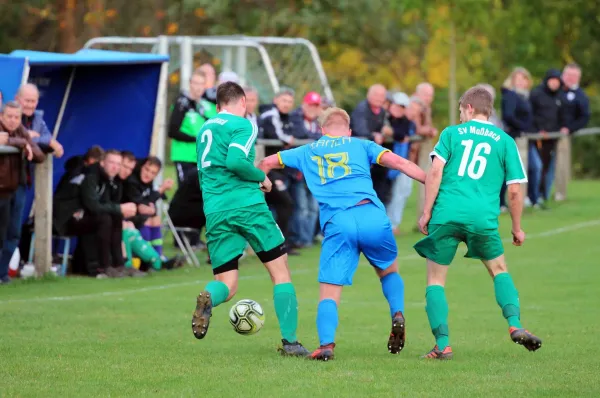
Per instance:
x=202, y=314
x=527, y=340
x=284, y=353
x=397, y=336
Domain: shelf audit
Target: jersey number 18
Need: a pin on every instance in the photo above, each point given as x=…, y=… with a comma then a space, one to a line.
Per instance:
x=476, y=166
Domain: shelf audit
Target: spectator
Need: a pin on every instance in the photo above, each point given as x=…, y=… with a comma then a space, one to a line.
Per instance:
x=400, y=130
x=190, y=112
x=426, y=93
x=251, y=105
x=10, y=226
x=546, y=106
x=128, y=165
x=517, y=117
x=276, y=123
x=367, y=121
x=33, y=120
x=88, y=208
x=187, y=207
x=575, y=104
x=305, y=117
x=326, y=103
x=77, y=165
x=228, y=76
x=209, y=73
x=139, y=189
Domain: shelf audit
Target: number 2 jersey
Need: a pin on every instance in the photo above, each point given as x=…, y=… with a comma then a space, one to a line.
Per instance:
x=226, y=144
x=479, y=158
x=337, y=171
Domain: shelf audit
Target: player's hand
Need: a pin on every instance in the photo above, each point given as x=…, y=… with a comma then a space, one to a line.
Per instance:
x=166, y=185
x=57, y=147
x=518, y=237
x=266, y=185
x=33, y=134
x=423, y=222
x=146, y=210
x=128, y=209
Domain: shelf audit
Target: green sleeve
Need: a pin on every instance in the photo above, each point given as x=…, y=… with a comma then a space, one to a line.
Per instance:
x=513, y=165
x=241, y=144
x=442, y=148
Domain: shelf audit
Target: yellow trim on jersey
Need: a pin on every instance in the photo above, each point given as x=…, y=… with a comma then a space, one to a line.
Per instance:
x=381, y=154
x=279, y=157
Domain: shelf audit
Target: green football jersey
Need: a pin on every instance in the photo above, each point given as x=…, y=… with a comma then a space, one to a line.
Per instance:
x=479, y=158
x=228, y=178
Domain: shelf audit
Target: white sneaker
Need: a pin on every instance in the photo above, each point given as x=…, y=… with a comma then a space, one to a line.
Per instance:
x=527, y=201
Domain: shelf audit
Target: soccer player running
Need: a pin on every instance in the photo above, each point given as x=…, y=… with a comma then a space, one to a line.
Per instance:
x=353, y=220
x=236, y=213
x=470, y=162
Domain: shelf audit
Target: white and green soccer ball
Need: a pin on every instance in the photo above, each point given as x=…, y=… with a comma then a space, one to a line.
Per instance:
x=247, y=317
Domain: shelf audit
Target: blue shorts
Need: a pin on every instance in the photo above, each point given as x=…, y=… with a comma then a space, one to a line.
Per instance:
x=364, y=228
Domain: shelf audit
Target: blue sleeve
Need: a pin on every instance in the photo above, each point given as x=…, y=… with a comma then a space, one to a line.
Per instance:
x=583, y=114
x=292, y=157
x=45, y=134
x=374, y=151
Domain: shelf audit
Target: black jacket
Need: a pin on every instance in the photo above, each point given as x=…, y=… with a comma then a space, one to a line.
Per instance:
x=273, y=124
x=91, y=191
x=401, y=127
x=135, y=191
x=517, y=113
x=546, y=105
x=186, y=208
x=364, y=121
x=575, y=109
x=182, y=105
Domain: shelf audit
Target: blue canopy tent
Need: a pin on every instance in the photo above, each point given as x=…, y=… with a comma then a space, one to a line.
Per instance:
x=92, y=97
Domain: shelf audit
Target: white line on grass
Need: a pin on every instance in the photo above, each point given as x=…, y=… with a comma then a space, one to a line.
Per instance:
x=552, y=232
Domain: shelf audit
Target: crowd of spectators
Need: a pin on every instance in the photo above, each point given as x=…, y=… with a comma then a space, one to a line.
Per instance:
x=108, y=199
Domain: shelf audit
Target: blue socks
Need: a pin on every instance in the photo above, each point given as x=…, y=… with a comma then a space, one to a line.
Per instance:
x=327, y=321
x=393, y=290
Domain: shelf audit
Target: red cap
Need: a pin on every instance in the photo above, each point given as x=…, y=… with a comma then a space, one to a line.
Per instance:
x=312, y=98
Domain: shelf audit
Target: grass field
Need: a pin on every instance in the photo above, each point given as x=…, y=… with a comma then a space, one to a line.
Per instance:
x=132, y=337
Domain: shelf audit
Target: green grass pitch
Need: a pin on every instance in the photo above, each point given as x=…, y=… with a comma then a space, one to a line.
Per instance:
x=80, y=337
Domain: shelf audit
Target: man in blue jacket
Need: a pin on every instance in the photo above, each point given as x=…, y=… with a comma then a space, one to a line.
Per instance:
x=575, y=104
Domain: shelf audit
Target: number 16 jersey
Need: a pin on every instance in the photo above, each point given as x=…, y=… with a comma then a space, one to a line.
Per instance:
x=479, y=158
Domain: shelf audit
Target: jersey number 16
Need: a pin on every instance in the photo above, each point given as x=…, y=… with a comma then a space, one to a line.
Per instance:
x=476, y=167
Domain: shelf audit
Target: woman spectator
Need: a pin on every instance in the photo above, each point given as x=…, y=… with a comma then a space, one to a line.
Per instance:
x=517, y=117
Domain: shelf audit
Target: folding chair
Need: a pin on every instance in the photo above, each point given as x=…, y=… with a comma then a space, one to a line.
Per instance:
x=179, y=233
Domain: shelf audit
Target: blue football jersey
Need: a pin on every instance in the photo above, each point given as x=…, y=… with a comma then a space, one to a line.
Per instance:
x=337, y=171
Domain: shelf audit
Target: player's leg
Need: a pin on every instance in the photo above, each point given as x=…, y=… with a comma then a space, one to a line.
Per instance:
x=376, y=241
x=439, y=248
x=267, y=241
x=225, y=247
x=489, y=249
x=338, y=263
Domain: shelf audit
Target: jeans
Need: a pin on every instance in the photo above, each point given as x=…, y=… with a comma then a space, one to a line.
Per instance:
x=548, y=177
x=304, y=219
x=534, y=172
x=401, y=190
x=13, y=228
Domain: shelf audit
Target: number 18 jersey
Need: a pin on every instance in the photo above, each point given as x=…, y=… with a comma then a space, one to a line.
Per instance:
x=479, y=158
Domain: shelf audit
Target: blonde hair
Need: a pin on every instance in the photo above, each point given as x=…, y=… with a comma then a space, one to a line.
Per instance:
x=509, y=82
x=330, y=113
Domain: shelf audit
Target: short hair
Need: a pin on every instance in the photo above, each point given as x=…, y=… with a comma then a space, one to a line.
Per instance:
x=12, y=105
x=250, y=89
x=479, y=98
x=285, y=91
x=423, y=85
x=153, y=161
x=111, y=152
x=26, y=86
x=572, y=65
x=417, y=100
x=331, y=113
x=128, y=155
x=228, y=93
x=95, y=152
x=199, y=72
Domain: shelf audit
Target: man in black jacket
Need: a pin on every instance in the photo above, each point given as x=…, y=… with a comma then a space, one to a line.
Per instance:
x=546, y=104
x=88, y=207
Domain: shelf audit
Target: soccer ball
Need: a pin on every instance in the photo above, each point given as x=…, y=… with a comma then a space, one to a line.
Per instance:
x=247, y=317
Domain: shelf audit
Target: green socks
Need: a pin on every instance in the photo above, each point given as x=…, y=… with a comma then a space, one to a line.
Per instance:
x=136, y=245
x=507, y=298
x=437, y=313
x=218, y=292
x=286, y=308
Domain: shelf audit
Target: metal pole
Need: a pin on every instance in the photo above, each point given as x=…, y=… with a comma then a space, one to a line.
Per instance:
x=160, y=129
x=227, y=59
x=63, y=106
x=187, y=63
x=26, y=69
x=240, y=65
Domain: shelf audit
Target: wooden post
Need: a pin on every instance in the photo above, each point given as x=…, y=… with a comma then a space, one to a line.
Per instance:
x=563, y=168
x=260, y=153
x=424, y=162
x=523, y=146
x=43, y=216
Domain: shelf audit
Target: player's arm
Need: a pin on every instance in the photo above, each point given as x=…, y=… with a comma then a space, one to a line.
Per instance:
x=515, y=175
x=515, y=205
x=393, y=161
x=271, y=162
x=290, y=158
x=432, y=188
x=237, y=155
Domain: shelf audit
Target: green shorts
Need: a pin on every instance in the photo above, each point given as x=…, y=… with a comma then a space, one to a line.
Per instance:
x=441, y=243
x=228, y=232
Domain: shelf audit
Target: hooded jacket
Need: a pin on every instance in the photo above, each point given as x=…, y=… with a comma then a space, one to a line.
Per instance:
x=140, y=193
x=517, y=114
x=546, y=104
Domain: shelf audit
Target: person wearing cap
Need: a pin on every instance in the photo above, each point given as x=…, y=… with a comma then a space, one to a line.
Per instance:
x=400, y=129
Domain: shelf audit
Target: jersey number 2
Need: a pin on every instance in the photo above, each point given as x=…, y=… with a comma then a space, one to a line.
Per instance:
x=206, y=136
x=476, y=167
x=332, y=163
